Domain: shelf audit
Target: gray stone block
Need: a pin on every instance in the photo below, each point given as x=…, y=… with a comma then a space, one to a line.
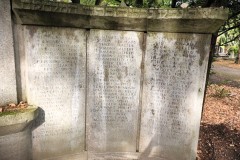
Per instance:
x=8, y=90
x=16, y=146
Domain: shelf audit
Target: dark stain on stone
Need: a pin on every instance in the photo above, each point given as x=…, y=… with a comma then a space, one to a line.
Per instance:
x=106, y=74
x=185, y=54
x=153, y=112
x=123, y=34
x=203, y=41
x=126, y=71
x=69, y=34
x=111, y=24
x=203, y=54
x=76, y=39
x=141, y=41
x=119, y=76
x=164, y=57
x=32, y=31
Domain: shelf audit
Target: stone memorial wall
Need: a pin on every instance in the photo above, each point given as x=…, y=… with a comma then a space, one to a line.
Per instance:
x=110, y=83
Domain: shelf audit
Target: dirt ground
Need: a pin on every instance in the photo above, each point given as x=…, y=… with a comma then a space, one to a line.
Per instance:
x=227, y=63
x=220, y=126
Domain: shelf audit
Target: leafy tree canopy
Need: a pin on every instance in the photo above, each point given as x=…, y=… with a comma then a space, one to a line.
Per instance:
x=229, y=33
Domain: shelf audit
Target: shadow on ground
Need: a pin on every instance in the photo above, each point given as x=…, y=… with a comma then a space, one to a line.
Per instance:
x=220, y=80
x=225, y=72
x=218, y=142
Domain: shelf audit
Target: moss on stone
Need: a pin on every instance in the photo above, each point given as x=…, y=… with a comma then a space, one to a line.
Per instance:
x=15, y=112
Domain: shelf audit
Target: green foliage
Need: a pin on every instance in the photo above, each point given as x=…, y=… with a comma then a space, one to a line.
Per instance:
x=233, y=49
x=112, y=3
x=15, y=112
x=212, y=72
x=222, y=39
x=221, y=92
x=231, y=29
x=229, y=33
x=87, y=2
x=65, y=1
x=214, y=59
x=157, y=3
x=132, y=3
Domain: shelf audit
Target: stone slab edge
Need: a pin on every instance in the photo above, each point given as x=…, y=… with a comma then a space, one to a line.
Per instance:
x=79, y=156
x=8, y=88
x=121, y=18
x=19, y=117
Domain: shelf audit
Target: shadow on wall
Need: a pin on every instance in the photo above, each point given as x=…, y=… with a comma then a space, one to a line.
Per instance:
x=218, y=142
x=39, y=120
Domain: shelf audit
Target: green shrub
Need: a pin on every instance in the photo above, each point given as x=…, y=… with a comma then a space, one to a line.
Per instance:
x=233, y=49
x=221, y=92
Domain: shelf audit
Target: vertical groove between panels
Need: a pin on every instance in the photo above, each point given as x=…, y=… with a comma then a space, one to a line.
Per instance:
x=140, y=94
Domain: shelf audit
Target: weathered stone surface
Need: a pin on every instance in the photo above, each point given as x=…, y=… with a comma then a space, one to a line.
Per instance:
x=192, y=20
x=114, y=71
x=18, y=121
x=79, y=156
x=113, y=156
x=8, y=93
x=16, y=146
x=174, y=82
x=55, y=64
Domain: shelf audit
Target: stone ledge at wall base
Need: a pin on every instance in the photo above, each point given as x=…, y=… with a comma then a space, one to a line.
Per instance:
x=79, y=156
x=17, y=121
x=16, y=134
x=191, y=20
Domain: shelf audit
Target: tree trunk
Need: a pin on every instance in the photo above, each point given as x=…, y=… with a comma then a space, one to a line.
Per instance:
x=139, y=3
x=237, y=60
x=98, y=2
x=75, y=1
x=173, y=5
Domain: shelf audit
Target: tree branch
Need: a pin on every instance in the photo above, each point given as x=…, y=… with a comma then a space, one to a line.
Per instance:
x=139, y=3
x=238, y=36
x=234, y=15
x=231, y=17
x=228, y=29
x=98, y=2
x=173, y=5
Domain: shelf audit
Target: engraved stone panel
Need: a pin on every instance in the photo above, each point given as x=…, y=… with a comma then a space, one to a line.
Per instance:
x=173, y=89
x=114, y=71
x=55, y=60
x=8, y=93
